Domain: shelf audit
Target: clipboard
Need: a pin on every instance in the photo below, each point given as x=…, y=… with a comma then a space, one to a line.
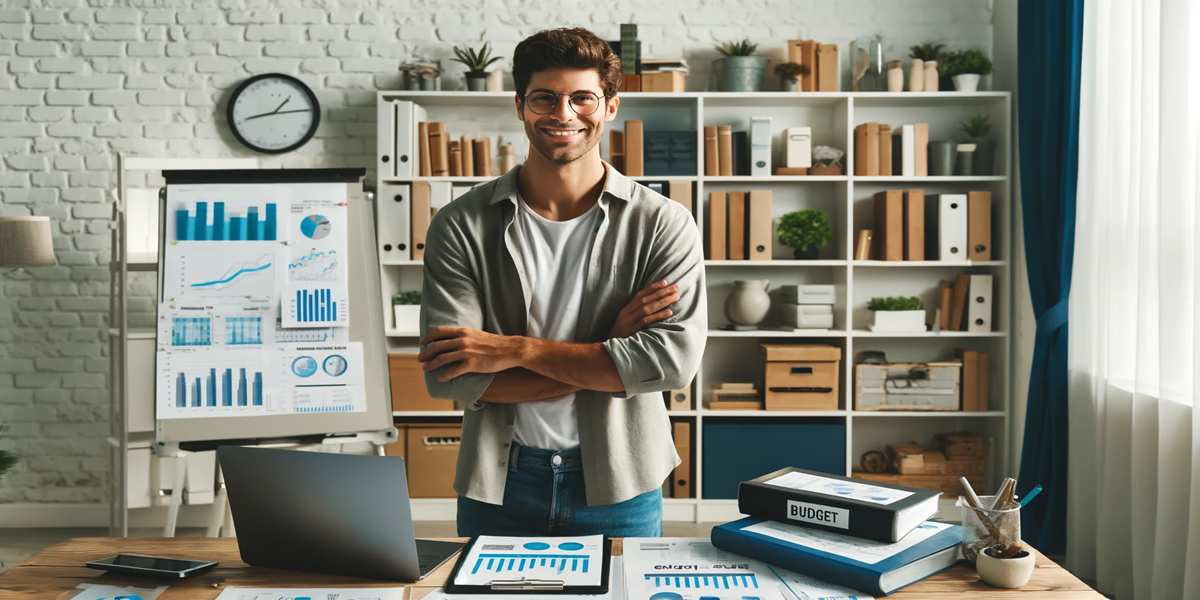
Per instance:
x=526, y=586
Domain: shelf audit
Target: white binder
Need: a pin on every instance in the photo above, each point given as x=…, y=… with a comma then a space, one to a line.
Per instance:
x=405, y=132
x=393, y=205
x=799, y=147
x=908, y=148
x=979, y=303
x=441, y=194
x=951, y=215
x=386, y=142
x=760, y=146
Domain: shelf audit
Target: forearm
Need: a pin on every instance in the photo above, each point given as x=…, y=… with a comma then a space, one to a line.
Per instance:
x=521, y=385
x=583, y=366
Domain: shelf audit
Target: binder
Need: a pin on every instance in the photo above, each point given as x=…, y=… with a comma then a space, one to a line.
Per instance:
x=761, y=236
x=946, y=214
x=908, y=159
x=946, y=295
x=455, y=158
x=711, y=156
x=897, y=152
x=778, y=497
x=394, y=207
x=421, y=211
x=885, y=150
x=385, y=152
x=863, y=250
x=960, y=302
x=439, y=150
x=760, y=146
x=716, y=226
x=467, y=147
x=741, y=153
x=860, y=150
x=483, y=156
x=407, y=140
x=889, y=225
x=634, y=150
x=866, y=150
x=979, y=306
x=681, y=192
x=828, y=75
x=426, y=168
x=921, y=150
x=680, y=400
x=681, y=481
x=737, y=226
x=985, y=385
x=616, y=150
x=914, y=225
x=808, y=53
x=799, y=147
x=969, y=382
x=979, y=225
x=725, y=150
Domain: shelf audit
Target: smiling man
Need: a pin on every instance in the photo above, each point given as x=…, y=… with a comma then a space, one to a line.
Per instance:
x=559, y=301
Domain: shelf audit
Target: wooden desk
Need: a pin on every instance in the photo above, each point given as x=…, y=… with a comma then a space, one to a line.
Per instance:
x=59, y=568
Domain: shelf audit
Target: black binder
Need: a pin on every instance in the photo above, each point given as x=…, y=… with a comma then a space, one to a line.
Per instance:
x=529, y=586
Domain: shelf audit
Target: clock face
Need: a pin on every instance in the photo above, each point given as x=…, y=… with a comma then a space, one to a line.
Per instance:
x=273, y=113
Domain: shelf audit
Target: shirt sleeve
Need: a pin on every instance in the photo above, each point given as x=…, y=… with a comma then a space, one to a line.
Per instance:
x=666, y=355
x=451, y=297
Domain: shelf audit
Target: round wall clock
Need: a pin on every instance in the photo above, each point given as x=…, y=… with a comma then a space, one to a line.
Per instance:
x=273, y=113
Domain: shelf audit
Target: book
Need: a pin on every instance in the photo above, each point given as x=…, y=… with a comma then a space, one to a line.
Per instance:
x=876, y=568
x=439, y=150
x=908, y=159
x=885, y=150
x=946, y=294
x=760, y=235
x=740, y=153
x=826, y=69
x=979, y=225
x=423, y=149
x=958, y=310
x=634, y=149
x=716, y=226
x=921, y=150
x=834, y=503
x=914, y=225
x=455, y=158
x=897, y=153
x=681, y=192
x=483, y=156
x=467, y=147
x=889, y=224
x=711, y=156
x=737, y=226
x=725, y=150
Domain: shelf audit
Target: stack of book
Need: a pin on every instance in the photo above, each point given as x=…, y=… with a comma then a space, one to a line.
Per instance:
x=807, y=306
x=726, y=152
x=966, y=304
x=442, y=156
x=948, y=227
x=739, y=225
x=883, y=150
x=873, y=537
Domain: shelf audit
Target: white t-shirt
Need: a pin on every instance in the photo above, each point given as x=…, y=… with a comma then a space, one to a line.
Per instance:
x=555, y=260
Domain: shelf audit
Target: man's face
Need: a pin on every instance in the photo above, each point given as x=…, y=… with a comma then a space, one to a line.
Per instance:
x=562, y=136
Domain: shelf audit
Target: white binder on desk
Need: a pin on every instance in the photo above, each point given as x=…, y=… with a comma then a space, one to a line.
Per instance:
x=760, y=146
x=946, y=214
x=386, y=141
x=979, y=303
x=393, y=206
x=405, y=133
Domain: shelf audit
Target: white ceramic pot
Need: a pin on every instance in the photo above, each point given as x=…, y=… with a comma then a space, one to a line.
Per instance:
x=916, y=76
x=408, y=317
x=1009, y=573
x=898, y=320
x=749, y=302
x=931, y=75
x=967, y=82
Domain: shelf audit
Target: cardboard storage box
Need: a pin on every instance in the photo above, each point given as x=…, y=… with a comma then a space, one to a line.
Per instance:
x=907, y=386
x=663, y=81
x=802, y=376
x=948, y=485
x=962, y=445
x=408, y=385
x=432, y=455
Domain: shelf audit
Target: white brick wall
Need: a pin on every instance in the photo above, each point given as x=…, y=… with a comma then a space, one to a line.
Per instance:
x=79, y=84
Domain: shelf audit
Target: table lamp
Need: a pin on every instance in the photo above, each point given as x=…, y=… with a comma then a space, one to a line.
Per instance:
x=26, y=242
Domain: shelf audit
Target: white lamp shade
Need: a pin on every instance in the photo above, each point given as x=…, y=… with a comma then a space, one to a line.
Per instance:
x=26, y=242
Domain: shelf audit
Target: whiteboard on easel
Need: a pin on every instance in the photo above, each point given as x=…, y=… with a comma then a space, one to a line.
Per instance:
x=260, y=275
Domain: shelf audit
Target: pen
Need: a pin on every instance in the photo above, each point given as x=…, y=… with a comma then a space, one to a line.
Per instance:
x=1034, y=492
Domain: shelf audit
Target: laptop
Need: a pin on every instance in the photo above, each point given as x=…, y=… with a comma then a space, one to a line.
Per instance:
x=318, y=512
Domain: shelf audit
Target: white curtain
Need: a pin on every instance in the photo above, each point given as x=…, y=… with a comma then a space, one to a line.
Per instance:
x=1133, y=522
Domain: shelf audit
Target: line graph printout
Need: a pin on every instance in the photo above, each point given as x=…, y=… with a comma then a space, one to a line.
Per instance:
x=576, y=561
x=317, y=289
x=230, y=270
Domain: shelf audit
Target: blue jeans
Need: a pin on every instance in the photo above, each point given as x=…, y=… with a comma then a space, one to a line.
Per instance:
x=546, y=499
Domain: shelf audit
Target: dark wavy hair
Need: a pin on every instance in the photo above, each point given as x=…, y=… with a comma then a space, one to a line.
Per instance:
x=570, y=48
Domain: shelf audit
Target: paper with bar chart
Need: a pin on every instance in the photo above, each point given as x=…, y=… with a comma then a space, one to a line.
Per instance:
x=616, y=589
x=206, y=383
x=317, y=293
x=575, y=561
x=214, y=325
x=322, y=379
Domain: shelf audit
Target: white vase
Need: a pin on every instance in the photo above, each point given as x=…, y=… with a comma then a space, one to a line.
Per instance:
x=1009, y=573
x=931, y=76
x=916, y=76
x=898, y=320
x=967, y=82
x=749, y=302
x=408, y=317
x=495, y=81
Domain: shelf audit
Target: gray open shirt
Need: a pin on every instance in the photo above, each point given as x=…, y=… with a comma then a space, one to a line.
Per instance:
x=474, y=278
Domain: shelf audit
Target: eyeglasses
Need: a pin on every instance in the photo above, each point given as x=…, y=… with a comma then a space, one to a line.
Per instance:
x=544, y=103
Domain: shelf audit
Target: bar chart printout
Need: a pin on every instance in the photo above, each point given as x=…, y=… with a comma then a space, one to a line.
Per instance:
x=195, y=223
x=576, y=561
x=207, y=382
x=316, y=306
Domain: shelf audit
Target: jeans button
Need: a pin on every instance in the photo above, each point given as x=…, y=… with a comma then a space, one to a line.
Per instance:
x=557, y=460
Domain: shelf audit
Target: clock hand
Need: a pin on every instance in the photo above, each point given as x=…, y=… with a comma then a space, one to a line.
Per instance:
x=285, y=101
x=282, y=112
x=276, y=111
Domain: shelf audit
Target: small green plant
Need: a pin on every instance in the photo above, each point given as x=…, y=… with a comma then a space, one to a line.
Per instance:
x=742, y=48
x=804, y=229
x=791, y=70
x=475, y=61
x=977, y=127
x=965, y=62
x=407, y=298
x=896, y=303
x=926, y=51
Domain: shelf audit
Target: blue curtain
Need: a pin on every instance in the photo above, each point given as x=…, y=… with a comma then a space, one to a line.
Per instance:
x=1049, y=35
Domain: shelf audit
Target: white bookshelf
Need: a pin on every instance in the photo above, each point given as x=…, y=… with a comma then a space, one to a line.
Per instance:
x=734, y=355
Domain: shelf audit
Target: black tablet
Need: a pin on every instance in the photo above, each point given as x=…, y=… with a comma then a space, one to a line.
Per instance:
x=152, y=566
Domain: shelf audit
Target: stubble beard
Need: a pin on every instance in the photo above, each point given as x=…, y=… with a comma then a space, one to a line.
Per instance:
x=561, y=155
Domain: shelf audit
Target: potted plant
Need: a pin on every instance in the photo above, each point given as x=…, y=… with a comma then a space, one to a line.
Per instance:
x=897, y=314
x=476, y=63
x=965, y=67
x=789, y=75
x=407, y=308
x=420, y=75
x=977, y=129
x=920, y=55
x=739, y=70
x=806, y=231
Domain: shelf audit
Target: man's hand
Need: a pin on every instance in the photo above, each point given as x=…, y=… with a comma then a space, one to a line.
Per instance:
x=648, y=307
x=474, y=351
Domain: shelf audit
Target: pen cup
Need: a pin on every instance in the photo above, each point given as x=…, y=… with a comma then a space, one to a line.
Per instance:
x=983, y=528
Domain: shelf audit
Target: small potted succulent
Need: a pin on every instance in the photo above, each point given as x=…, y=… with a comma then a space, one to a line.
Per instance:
x=977, y=130
x=477, y=64
x=897, y=314
x=421, y=75
x=789, y=75
x=1005, y=566
x=965, y=68
x=806, y=231
x=407, y=308
x=739, y=70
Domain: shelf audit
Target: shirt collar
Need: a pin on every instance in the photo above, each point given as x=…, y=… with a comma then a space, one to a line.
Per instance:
x=616, y=185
